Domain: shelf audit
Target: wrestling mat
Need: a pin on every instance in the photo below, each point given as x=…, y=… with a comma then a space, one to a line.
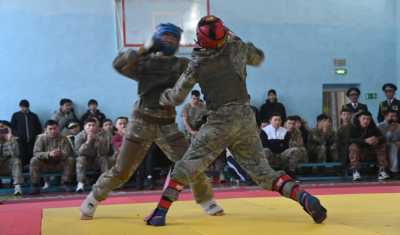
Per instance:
x=347, y=214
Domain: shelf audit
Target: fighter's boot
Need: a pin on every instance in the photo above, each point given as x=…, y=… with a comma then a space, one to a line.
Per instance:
x=88, y=207
x=171, y=189
x=290, y=189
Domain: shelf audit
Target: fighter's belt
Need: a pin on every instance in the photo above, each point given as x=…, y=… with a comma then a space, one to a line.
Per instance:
x=159, y=121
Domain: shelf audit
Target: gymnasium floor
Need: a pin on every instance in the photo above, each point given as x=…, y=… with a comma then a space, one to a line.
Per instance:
x=366, y=207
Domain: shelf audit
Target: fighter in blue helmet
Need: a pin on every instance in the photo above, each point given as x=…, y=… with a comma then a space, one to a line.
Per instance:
x=155, y=67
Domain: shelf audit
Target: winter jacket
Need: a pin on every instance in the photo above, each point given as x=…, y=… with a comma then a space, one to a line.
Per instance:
x=62, y=118
x=99, y=116
x=268, y=108
x=354, y=134
x=26, y=126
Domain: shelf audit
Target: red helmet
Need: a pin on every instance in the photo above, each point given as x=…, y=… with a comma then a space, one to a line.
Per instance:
x=211, y=32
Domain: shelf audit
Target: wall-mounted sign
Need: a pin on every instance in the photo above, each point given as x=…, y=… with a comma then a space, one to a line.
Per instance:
x=340, y=71
x=339, y=61
x=371, y=96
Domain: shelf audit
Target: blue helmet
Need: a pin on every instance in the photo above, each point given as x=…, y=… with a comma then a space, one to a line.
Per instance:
x=168, y=28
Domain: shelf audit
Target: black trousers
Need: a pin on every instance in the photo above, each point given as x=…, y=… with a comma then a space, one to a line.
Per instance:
x=155, y=158
x=26, y=152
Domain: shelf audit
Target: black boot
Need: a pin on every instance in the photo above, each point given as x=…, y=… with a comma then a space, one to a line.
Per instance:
x=34, y=190
x=139, y=184
x=151, y=183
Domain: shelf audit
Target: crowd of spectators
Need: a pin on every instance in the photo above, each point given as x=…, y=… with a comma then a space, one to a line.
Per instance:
x=70, y=144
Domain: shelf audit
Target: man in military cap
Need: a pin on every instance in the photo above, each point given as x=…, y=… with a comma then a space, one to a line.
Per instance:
x=390, y=90
x=354, y=106
x=74, y=127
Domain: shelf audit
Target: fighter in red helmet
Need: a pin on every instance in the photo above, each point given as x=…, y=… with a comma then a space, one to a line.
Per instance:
x=220, y=69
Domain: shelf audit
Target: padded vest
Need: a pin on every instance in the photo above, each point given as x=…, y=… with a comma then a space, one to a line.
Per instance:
x=219, y=82
x=156, y=75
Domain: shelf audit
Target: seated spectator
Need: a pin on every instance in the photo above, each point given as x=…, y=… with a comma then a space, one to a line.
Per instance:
x=106, y=135
x=92, y=150
x=272, y=106
x=120, y=124
x=257, y=113
x=117, y=139
x=238, y=169
x=108, y=126
x=63, y=114
x=322, y=147
x=9, y=161
x=264, y=123
x=191, y=113
x=74, y=127
x=26, y=125
x=391, y=130
x=220, y=161
x=367, y=144
x=345, y=116
x=296, y=139
x=51, y=154
x=275, y=141
x=302, y=125
x=92, y=104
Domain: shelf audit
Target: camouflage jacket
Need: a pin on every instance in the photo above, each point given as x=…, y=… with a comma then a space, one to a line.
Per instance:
x=242, y=54
x=44, y=145
x=194, y=114
x=316, y=137
x=296, y=139
x=130, y=64
x=8, y=150
x=341, y=137
x=93, y=149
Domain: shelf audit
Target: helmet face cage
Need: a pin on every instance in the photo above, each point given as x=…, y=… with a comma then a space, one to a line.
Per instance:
x=169, y=28
x=211, y=32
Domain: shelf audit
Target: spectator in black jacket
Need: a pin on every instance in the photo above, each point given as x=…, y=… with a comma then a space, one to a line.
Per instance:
x=366, y=144
x=272, y=106
x=26, y=126
x=92, y=104
x=275, y=141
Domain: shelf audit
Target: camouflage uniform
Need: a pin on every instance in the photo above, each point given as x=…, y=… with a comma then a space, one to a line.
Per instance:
x=369, y=154
x=150, y=123
x=341, y=142
x=290, y=155
x=296, y=140
x=322, y=148
x=9, y=161
x=193, y=114
x=231, y=125
x=43, y=163
x=92, y=156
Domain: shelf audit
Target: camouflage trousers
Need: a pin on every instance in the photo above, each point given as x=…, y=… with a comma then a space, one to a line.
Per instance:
x=369, y=154
x=304, y=155
x=232, y=126
x=84, y=164
x=138, y=138
x=13, y=166
x=290, y=155
x=38, y=166
x=323, y=153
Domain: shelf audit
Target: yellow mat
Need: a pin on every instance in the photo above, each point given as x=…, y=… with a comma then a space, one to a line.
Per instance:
x=347, y=214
